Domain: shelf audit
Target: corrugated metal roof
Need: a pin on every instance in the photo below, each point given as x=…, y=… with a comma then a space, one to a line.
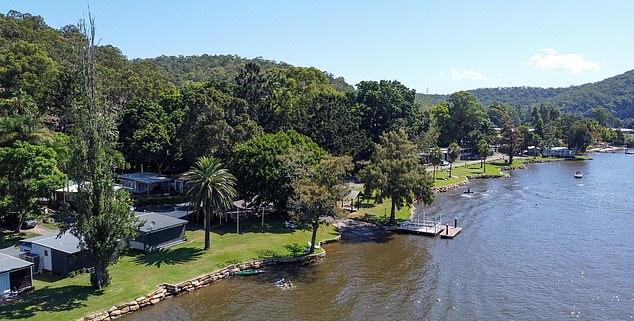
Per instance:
x=352, y=195
x=66, y=242
x=147, y=178
x=156, y=222
x=10, y=263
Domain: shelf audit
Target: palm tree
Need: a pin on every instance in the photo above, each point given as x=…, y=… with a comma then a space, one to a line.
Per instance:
x=452, y=154
x=435, y=157
x=483, y=150
x=210, y=187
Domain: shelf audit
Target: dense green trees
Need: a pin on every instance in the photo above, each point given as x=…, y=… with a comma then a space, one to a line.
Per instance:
x=385, y=106
x=262, y=175
x=463, y=120
x=394, y=172
x=27, y=172
x=251, y=113
x=148, y=134
x=210, y=187
x=579, y=138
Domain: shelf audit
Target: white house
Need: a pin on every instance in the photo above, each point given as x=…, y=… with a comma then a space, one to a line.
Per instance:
x=558, y=152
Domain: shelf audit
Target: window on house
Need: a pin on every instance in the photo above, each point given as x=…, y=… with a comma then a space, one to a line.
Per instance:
x=45, y=252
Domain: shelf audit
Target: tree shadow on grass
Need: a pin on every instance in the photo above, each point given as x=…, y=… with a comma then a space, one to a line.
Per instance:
x=47, y=299
x=11, y=239
x=166, y=256
x=295, y=249
x=273, y=224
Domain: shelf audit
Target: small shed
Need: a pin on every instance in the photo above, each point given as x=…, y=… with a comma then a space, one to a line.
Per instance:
x=158, y=231
x=351, y=197
x=146, y=183
x=58, y=254
x=15, y=274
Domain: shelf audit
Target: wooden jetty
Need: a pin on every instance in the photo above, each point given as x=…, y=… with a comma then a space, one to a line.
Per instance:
x=429, y=228
x=424, y=227
x=450, y=232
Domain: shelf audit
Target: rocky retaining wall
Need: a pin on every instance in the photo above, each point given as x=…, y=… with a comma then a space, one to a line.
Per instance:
x=442, y=189
x=166, y=291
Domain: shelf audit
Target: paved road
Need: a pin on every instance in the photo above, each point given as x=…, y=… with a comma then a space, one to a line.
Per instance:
x=459, y=163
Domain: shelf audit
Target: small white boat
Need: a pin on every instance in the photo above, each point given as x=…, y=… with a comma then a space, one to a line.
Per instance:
x=578, y=174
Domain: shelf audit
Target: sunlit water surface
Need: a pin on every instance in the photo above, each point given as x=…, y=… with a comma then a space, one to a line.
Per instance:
x=540, y=245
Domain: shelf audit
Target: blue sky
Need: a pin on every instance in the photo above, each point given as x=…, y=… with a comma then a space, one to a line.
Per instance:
x=430, y=46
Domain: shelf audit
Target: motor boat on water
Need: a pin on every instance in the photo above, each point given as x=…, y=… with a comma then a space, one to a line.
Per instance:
x=578, y=174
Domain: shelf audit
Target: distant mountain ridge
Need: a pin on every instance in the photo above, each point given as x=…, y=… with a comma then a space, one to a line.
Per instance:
x=615, y=94
x=183, y=69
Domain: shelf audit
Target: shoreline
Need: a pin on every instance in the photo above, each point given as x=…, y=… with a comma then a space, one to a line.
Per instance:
x=167, y=291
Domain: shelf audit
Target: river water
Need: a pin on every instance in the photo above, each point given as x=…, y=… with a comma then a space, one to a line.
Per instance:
x=540, y=245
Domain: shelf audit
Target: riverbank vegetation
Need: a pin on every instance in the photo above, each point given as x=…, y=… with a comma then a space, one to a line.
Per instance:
x=137, y=274
x=99, y=114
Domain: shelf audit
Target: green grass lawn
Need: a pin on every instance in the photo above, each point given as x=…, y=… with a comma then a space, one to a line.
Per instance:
x=137, y=274
x=379, y=213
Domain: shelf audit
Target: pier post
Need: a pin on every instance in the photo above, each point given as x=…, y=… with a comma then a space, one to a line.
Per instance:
x=455, y=222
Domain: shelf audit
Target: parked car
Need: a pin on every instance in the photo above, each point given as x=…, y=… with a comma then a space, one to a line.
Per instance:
x=29, y=224
x=444, y=163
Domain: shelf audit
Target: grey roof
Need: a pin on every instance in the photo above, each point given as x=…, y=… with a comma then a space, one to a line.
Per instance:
x=147, y=178
x=153, y=222
x=10, y=263
x=176, y=213
x=66, y=243
x=352, y=195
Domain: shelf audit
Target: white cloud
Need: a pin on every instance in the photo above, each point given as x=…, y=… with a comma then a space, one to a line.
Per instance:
x=548, y=59
x=460, y=74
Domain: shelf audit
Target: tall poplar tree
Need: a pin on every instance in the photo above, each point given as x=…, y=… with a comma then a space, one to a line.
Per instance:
x=102, y=218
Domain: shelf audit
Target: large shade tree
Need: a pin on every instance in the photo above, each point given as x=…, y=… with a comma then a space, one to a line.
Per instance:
x=394, y=172
x=211, y=188
x=317, y=190
x=579, y=137
x=262, y=175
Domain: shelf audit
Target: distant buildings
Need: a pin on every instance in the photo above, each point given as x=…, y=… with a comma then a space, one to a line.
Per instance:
x=558, y=152
x=151, y=183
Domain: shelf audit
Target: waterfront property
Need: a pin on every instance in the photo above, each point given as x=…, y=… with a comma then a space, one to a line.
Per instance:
x=15, y=274
x=157, y=232
x=67, y=193
x=558, y=152
x=146, y=183
x=57, y=254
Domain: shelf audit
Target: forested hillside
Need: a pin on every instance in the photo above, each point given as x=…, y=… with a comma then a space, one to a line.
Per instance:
x=184, y=69
x=170, y=110
x=616, y=94
x=165, y=113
